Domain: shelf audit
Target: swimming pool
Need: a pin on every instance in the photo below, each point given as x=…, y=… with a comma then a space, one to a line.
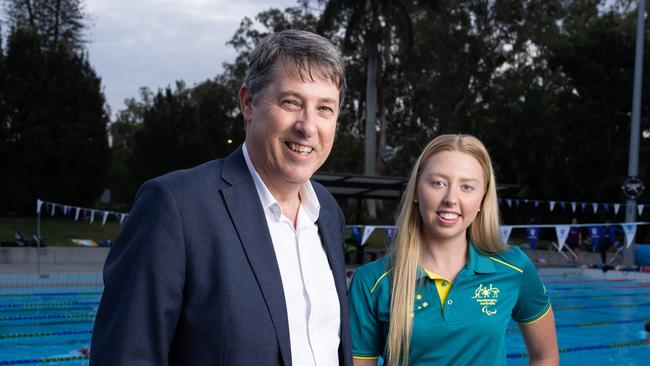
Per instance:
x=599, y=320
x=47, y=319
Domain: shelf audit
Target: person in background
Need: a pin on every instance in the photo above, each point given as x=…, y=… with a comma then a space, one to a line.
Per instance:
x=239, y=261
x=445, y=294
x=574, y=239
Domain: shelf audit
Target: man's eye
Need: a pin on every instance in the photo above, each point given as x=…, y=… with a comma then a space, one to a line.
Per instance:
x=326, y=108
x=290, y=103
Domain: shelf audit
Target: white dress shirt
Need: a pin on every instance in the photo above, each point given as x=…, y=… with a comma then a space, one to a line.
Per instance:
x=313, y=309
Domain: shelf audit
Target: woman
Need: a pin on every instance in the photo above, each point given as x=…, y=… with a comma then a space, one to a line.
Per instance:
x=446, y=292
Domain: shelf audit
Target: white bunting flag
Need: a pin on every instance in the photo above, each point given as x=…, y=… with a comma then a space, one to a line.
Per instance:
x=39, y=203
x=122, y=217
x=367, y=230
x=536, y=203
x=509, y=201
x=616, y=207
x=639, y=209
x=53, y=205
x=573, y=206
x=583, y=206
x=66, y=209
x=92, y=216
x=595, y=207
x=551, y=205
x=76, y=215
x=630, y=231
x=104, y=217
x=562, y=232
x=505, y=232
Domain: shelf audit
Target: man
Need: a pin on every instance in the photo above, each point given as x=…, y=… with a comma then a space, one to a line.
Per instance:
x=239, y=261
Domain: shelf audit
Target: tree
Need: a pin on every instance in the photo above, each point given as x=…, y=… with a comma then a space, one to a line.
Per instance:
x=57, y=22
x=57, y=141
x=54, y=138
x=183, y=127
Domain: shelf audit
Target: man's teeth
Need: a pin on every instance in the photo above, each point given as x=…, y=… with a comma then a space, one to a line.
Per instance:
x=448, y=215
x=300, y=148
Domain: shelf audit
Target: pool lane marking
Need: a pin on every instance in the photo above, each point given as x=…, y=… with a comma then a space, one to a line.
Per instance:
x=41, y=305
x=44, y=294
x=37, y=317
x=594, y=287
x=601, y=296
x=583, y=307
x=644, y=343
x=586, y=281
x=587, y=324
x=43, y=360
x=44, y=334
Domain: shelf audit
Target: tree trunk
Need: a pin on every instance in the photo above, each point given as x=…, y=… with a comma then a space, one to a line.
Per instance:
x=370, y=161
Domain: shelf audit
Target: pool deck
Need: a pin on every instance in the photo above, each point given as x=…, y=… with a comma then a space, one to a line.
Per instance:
x=53, y=260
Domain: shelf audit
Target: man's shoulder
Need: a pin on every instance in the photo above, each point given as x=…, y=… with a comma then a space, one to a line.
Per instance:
x=206, y=174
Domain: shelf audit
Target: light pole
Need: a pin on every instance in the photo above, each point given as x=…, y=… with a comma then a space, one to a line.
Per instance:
x=633, y=160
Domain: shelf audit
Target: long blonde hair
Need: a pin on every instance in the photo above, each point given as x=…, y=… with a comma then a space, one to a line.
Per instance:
x=483, y=232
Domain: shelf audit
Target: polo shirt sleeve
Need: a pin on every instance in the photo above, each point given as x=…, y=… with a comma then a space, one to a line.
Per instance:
x=533, y=302
x=364, y=324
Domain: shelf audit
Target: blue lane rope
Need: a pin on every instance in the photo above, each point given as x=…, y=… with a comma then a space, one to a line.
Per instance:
x=585, y=307
x=39, y=317
x=587, y=324
x=588, y=348
x=46, y=294
x=44, y=360
x=45, y=334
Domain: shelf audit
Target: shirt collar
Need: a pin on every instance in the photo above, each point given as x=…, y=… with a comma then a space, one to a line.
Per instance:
x=308, y=199
x=477, y=261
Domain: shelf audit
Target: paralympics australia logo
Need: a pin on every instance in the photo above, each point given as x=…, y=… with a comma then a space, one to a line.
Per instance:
x=487, y=298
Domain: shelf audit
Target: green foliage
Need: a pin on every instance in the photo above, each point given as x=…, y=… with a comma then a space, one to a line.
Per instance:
x=545, y=84
x=56, y=145
x=54, y=141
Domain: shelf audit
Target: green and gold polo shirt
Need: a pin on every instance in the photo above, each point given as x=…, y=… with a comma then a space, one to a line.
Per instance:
x=459, y=323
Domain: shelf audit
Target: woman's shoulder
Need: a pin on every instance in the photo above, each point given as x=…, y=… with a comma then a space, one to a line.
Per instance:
x=514, y=256
x=373, y=272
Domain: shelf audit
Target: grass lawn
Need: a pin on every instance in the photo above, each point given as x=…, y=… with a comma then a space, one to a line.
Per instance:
x=57, y=231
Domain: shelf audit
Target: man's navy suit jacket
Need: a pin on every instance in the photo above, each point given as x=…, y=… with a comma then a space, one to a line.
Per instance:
x=192, y=278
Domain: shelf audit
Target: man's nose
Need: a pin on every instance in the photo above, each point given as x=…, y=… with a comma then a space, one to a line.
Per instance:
x=306, y=123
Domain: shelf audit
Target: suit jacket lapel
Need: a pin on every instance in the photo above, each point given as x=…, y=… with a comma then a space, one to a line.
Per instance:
x=247, y=214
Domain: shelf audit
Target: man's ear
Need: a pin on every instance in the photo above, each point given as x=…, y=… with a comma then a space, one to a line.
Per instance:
x=246, y=103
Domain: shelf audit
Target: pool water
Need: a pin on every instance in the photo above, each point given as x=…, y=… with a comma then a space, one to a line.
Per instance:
x=599, y=321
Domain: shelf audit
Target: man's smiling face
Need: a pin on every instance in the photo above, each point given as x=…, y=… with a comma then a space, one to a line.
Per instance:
x=290, y=126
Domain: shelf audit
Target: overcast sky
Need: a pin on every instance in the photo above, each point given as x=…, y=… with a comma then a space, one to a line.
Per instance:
x=153, y=43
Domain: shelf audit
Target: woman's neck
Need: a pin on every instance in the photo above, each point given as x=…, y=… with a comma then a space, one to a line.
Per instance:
x=445, y=258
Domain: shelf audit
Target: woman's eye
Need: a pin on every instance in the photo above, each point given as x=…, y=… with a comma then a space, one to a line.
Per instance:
x=467, y=187
x=437, y=183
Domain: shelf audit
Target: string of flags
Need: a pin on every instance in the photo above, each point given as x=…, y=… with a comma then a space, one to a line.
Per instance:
x=52, y=208
x=596, y=232
x=361, y=233
x=573, y=205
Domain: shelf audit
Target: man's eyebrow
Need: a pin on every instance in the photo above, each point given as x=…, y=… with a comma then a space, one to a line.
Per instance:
x=291, y=93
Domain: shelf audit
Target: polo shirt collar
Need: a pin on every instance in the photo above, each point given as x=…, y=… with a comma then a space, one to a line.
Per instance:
x=308, y=199
x=477, y=262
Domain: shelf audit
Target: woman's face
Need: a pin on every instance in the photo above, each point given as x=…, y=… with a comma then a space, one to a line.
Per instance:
x=449, y=193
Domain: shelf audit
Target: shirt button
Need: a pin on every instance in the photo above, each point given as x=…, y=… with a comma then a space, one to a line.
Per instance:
x=450, y=302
